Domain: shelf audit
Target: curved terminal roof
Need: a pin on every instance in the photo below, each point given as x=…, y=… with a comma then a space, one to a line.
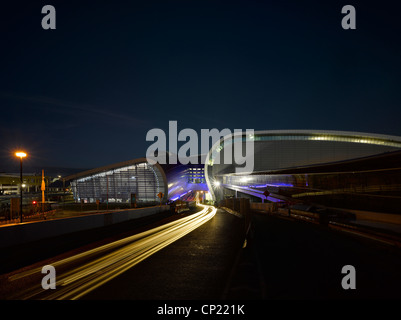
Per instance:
x=115, y=166
x=340, y=136
x=326, y=135
x=294, y=135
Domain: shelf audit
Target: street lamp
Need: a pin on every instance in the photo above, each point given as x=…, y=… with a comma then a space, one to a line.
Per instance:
x=21, y=155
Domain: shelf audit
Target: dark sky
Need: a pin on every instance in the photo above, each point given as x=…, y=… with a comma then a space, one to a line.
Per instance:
x=85, y=95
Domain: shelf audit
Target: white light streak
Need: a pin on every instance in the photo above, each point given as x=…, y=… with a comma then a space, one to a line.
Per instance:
x=102, y=264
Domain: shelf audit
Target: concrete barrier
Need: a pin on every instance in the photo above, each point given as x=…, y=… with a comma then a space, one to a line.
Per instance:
x=32, y=231
x=359, y=215
x=268, y=207
x=377, y=217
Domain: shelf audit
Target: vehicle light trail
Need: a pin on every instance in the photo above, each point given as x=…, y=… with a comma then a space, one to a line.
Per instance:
x=102, y=264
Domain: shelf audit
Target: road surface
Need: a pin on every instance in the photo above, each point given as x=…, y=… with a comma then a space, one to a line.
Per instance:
x=292, y=259
x=90, y=274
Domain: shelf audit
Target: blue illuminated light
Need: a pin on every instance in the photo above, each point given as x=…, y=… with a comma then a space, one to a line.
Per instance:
x=181, y=195
x=280, y=185
x=272, y=185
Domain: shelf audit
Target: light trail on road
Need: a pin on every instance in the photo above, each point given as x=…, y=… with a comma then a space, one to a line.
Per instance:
x=100, y=265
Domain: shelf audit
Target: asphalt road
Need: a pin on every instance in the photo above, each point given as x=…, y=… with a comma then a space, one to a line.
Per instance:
x=290, y=259
x=196, y=266
x=147, y=265
x=20, y=258
x=283, y=259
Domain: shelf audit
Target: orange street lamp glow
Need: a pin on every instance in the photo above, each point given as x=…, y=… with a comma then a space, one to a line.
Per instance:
x=20, y=154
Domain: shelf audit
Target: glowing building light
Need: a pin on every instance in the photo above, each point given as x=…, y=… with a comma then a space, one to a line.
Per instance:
x=20, y=154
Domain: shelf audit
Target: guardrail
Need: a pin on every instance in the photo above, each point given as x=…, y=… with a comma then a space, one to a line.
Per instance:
x=31, y=217
x=330, y=221
x=394, y=240
x=9, y=221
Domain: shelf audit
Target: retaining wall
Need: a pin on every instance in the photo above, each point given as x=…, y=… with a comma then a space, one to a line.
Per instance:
x=360, y=215
x=32, y=231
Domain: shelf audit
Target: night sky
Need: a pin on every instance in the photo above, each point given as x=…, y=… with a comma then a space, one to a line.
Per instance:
x=85, y=95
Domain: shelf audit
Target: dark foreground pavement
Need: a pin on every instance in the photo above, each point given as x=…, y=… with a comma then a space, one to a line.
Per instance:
x=289, y=259
x=284, y=259
x=194, y=267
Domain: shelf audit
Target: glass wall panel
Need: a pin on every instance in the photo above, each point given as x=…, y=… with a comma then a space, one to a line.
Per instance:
x=116, y=185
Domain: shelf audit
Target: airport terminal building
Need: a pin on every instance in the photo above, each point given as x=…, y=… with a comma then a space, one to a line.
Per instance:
x=332, y=168
x=141, y=180
x=120, y=182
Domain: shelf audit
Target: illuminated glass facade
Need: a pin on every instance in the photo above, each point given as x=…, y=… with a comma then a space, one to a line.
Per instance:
x=296, y=151
x=185, y=180
x=117, y=183
x=370, y=190
x=292, y=165
x=196, y=175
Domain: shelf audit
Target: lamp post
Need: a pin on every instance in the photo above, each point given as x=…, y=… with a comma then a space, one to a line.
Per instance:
x=21, y=155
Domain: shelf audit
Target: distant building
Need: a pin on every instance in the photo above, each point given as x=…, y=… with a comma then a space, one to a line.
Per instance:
x=186, y=181
x=333, y=168
x=120, y=182
x=10, y=183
